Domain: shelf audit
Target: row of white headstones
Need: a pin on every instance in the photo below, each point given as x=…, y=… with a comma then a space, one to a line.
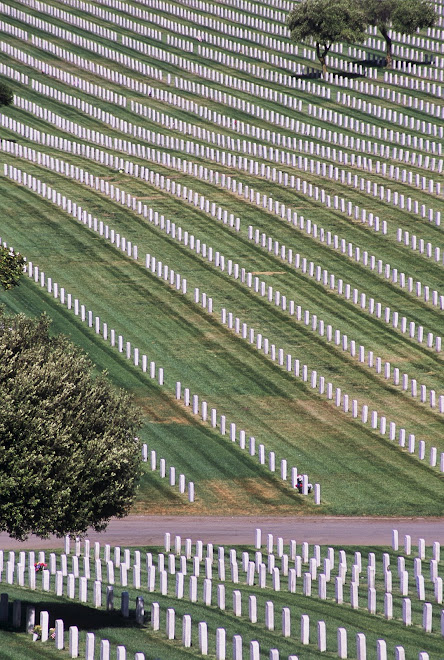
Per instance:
x=269, y=621
x=63, y=167
x=159, y=270
x=103, y=157
x=374, y=416
x=63, y=16
x=340, y=136
x=181, y=28
x=281, y=210
x=98, y=46
x=255, y=572
x=202, y=632
x=335, y=138
x=244, y=164
x=264, y=26
x=117, y=19
x=274, y=547
x=250, y=165
x=166, y=274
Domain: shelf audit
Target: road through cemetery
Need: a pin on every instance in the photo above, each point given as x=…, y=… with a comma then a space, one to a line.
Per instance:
x=150, y=530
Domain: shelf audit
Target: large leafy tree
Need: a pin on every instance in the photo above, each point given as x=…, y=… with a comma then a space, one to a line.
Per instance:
x=406, y=16
x=325, y=22
x=68, y=456
x=11, y=267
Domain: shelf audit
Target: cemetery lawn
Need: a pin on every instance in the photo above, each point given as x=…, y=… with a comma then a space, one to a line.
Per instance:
x=223, y=472
x=363, y=466
x=111, y=625
x=360, y=471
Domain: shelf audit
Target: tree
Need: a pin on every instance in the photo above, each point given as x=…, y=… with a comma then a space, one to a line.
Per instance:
x=68, y=456
x=406, y=16
x=6, y=95
x=11, y=267
x=326, y=22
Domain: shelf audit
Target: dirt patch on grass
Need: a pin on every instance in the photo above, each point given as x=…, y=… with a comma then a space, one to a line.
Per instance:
x=293, y=418
x=172, y=420
x=268, y=272
x=241, y=496
x=147, y=197
x=224, y=492
x=257, y=488
x=160, y=412
x=319, y=410
x=166, y=509
x=201, y=508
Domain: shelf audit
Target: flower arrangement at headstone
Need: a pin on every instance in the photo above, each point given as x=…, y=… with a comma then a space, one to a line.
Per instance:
x=40, y=566
x=37, y=633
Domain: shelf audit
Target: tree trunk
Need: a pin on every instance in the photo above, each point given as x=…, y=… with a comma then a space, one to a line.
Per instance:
x=388, y=50
x=322, y=57
x=324, y=64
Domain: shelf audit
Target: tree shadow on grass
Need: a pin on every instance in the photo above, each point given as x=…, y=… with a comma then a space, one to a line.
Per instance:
x=75, y=614
x=428, y=59
x=379, y=62
x=317, y=75
x=374, y=62
x=312, y=75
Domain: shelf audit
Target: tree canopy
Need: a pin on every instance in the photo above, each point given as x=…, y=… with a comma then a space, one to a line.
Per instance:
x=405, y=16
x=68, y=456
x=6, y=95
x=11, y=267
x=326, y=22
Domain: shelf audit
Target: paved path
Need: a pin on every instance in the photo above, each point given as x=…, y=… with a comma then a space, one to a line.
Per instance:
x=150, y=530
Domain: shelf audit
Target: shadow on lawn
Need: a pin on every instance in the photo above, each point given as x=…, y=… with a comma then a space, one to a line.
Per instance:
x=317, y=75
x=313, y=75
x=369, y=62
x=76, y=614
x=379, y=62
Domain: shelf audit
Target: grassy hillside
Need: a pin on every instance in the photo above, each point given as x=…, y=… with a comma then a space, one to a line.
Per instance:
x=360, y=470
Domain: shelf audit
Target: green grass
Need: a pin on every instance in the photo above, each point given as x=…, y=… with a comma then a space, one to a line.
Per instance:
x=375, y=476
x=111, y=625
x=192, y=347
x=199, y=335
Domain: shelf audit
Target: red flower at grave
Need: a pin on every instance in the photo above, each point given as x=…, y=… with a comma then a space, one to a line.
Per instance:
x=40, y=566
